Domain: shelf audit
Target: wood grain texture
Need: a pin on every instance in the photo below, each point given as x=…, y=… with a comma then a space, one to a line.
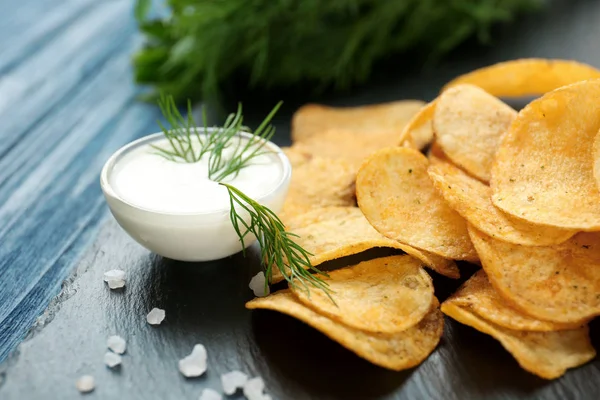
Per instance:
x=67, y=102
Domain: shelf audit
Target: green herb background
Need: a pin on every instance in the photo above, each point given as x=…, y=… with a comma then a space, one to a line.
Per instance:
x=194, y=51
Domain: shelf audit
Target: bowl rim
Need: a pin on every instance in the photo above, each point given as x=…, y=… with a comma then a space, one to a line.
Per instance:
x=112, y=161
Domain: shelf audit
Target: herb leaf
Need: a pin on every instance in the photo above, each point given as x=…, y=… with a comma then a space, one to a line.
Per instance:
x=276, y=244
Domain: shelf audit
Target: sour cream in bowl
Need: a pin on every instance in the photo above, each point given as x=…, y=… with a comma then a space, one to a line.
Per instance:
x=173, y=209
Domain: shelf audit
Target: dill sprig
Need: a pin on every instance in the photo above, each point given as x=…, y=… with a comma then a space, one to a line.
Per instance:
x=243, y=155
x=277, y=246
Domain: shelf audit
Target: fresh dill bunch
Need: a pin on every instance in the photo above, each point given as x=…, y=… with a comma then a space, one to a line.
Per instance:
x=277, y=246
x=203, y=44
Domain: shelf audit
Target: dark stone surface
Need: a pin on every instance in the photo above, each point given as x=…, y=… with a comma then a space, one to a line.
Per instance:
x=204, y=302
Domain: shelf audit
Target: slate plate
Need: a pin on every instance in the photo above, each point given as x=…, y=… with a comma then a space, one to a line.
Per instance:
x=204, y=303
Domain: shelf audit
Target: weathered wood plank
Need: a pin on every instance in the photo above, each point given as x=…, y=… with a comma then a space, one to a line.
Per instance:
x=50, y=203
x=42, y=21
x=30, y=91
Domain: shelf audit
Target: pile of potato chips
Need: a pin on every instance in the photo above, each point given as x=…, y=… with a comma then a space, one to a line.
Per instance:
x=515, y=192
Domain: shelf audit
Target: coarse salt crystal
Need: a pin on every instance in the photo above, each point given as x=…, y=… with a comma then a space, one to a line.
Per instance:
x=85, y=384
x=114, y=284
x=115, y=278
x=231, y=381
x=114, y=274
x=195, y=364
x=254, y=389
x=116, y=344
x=156, y=316
x=112, y=359
x=257, y=284
x=210, y=394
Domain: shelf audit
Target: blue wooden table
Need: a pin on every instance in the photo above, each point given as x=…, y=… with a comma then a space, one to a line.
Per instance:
x=67, y=102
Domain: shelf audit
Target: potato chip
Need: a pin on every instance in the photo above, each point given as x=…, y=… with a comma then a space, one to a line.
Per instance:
x=385, y=118
x=545, y=354
x=319, y=182
x=350, y=146
x=530, y=76
x=543, y=171
x=597, y=160
x=469, y=124
x=399, y=200
x=384, y=295
x=478, y=296
x=296, y=155
x=472, y=199
x=396, y=351
x=559, y=283
x=419, y=130
x=333, y=232
x=436, y=155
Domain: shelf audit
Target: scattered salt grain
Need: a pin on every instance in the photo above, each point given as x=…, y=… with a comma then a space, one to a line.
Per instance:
x=254, y=389
x=232, y=381
x=115, y=278
x=117, y=344
x=210, y=394
x=195, y=364
x=156, y=316
x=112, y=359
x=85, y=384
x=257, y=284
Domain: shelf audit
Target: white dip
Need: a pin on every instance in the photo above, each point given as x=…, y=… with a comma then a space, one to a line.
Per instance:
x=150, y=181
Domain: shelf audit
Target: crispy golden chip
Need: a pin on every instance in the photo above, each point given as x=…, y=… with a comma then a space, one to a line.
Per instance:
x=478, y=296
x=472, y=199
x=419, y=130
x=559, y=283
x=396, y=351
x=469, y=124
x=386, y=117
x=398, y=198
x=319, y=182
x=597, y=159
x=436, y=155
x=296, y=155
x=333, y=232
x=545, y=354
x=350, y=146
x=385, y=295
x=543, y=171
x=530, y=76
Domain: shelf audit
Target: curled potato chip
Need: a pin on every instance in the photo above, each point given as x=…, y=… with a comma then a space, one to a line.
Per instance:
x=469, y=124
x=384, y=295
x=559, y=283
x=543, y=171
x=530, y=76
x=386, y=117
x=478, y=296
x=333, y=232
x=350, y=146
x=545, y=354
x=597, y=159
x=472, y=199
x=399, y=200
x=319, y=182
x=296, y=155
x=435, y=154
x=396, y=351
x=419, y=130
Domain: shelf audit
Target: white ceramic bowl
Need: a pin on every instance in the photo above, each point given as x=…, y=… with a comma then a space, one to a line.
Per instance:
x=185, y=236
